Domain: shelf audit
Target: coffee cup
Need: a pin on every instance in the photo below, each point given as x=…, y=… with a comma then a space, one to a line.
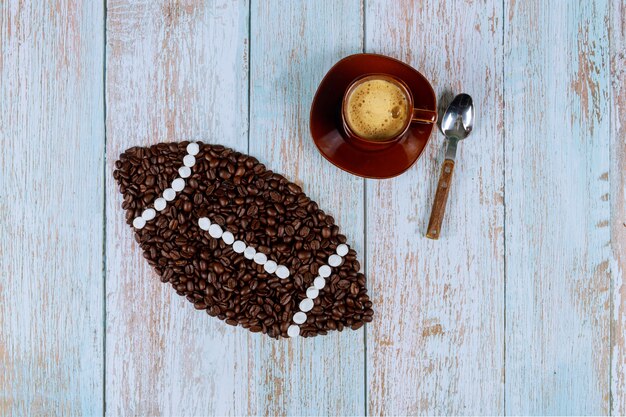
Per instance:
x=377, y=110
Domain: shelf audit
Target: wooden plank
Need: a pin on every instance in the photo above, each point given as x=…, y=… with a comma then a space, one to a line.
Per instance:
x=51, y=208
x=557, y=207
x=175, y=71
x=436, y=344
x=293, y=44
x=617, y=109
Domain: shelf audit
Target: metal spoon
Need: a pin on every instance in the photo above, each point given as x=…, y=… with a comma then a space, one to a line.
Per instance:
x=456, y=125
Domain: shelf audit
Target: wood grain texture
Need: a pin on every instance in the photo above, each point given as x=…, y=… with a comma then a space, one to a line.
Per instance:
x=558, y=253
x=51, y=208
x=436, y=343
x=293, y=45
x=175, y=71
x=617, y=108
x=538, y=199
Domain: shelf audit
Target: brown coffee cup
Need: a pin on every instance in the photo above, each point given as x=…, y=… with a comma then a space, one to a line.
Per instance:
x=377, y=110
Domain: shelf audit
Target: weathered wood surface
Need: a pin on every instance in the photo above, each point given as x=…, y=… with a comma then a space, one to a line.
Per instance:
x=175, y=71
x=293, y=45
x=519, y=308
x=557, y=198
x=617, y=175
x=51, y=208
x=436, y=344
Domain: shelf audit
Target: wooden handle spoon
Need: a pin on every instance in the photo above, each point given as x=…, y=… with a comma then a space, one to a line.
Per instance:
x=456, y=125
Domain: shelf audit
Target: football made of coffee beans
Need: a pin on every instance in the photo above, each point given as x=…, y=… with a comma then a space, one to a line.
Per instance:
x=240, y=241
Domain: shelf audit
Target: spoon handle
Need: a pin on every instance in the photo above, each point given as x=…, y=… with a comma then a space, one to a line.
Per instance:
x=441, y=198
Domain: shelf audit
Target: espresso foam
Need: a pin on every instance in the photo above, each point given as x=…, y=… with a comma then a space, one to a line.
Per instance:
x=377, y=110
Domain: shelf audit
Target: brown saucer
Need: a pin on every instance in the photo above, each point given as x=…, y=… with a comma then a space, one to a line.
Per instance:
x=326, y=126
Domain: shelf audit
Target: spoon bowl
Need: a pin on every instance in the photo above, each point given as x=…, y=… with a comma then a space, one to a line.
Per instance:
x=458, y=120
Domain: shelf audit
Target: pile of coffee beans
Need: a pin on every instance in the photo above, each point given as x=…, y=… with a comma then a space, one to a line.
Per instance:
x=262, y=209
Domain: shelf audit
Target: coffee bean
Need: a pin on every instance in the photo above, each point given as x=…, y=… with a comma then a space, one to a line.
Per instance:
x=303, y=254
x=275, y=196
x=343, y=284
x=217, y=268
x=252, y=211
x=293, y=188
x=259, y=207
x=240, y=171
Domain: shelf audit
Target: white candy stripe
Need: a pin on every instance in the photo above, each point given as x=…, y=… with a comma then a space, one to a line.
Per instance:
x=193, y=149
x=189, y=160
x=319, y=283
x=270, y=266
x=293, y=330
x=342, y=250
x=139, y=222
x=313, y=291
x=204, y=224
x=169, y=194
x=178, y=185
x=299, y=317
x=324, y=271
x=334, y=260
x=148, y=214
x=228, y=238
x=160, y=204
x=260, y=258
x=249, y=252
x=239, y=246
x=282, y=272
x=184, y=172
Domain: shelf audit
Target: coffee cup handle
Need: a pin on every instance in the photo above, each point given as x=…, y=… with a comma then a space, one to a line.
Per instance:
x=424, y=116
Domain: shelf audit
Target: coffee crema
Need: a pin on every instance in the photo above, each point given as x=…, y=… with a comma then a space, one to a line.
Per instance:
x=377, y=109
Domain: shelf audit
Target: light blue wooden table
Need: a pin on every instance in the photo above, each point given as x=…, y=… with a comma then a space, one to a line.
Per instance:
x=520, y=308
